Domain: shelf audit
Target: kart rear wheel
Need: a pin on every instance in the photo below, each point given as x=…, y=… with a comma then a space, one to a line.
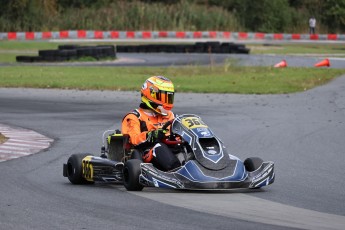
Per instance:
x=131, y=173
x=252, y=163
x=74, y=169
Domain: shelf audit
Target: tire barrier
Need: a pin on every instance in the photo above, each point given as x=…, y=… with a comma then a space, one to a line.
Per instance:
x=198, y=47
x=70, y=53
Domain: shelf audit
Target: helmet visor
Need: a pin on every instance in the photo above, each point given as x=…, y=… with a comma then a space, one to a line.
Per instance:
x=165, y=97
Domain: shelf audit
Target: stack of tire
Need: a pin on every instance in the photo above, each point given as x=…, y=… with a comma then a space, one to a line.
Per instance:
x=198, y=47
x=71, y=52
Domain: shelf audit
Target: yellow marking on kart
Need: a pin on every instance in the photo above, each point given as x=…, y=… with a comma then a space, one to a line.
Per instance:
x=87, y=168
x=114, y=135
x=193, y=122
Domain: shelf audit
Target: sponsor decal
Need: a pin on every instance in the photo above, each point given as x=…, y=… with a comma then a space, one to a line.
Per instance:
x=212, y=152
x=262, y=175
x=159, y=176
x=87, y=168
x=193, y=122
x=203, y=132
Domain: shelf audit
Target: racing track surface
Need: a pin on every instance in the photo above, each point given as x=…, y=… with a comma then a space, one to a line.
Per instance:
x=302, y=133
x=176, y=59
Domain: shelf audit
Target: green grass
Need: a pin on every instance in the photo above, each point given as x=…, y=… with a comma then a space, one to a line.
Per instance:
x=10, y=49
x=291, y=49
x=28, y=45
x=3, y=139
x=120, y=15
x=228, y=78
x=216, y=79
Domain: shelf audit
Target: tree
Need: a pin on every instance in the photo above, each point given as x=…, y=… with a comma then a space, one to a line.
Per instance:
x=333, y=15
x=263, y=15
x=25, y=15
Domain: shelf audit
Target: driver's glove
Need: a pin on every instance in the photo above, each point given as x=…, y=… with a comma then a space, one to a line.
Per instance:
x=156, y=135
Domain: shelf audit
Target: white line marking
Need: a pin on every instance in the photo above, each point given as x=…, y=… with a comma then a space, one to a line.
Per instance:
x=21, y=142
x=35, y=145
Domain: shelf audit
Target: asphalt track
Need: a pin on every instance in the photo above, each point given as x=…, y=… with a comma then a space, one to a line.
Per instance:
x=175, y=59
x=302, y=133
x=162, y=59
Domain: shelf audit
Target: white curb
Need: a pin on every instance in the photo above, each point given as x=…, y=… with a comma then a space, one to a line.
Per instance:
x=21, y=142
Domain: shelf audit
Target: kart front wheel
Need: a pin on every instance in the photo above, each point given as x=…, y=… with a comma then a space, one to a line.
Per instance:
x=74, y=169
x=252, y=163
x=131, y=173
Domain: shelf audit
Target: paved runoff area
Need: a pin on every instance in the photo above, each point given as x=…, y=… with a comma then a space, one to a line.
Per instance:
x=21, y=142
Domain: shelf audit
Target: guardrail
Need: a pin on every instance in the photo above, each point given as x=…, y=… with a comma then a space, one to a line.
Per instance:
x=96, y=34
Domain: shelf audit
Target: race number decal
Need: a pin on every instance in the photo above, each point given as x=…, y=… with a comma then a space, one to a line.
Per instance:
x=193, y=122
x=87, y=168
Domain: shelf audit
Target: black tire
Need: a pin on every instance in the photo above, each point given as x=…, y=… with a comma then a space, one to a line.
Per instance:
x=25, y=58
x=212, y=47
x=143, y=48
x=68, y=53
x=243, y=50
x=106, y=51
x=131, y=172
x=68, y=47
x=252, y=163
x=85, y=51
x=137, y=154
x=169, y=48
x=179, y=48
x=74, y=169
x=131, y=49
x=49, y=53
x=50, y=58
x=36, y=59
x=121, y=49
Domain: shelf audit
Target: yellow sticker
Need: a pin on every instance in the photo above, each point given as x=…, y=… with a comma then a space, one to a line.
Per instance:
x=87, y=168
x=193, y=122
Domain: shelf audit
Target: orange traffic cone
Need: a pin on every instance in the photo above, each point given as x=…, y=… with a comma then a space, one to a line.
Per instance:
x=281, y=64
x=323, y=63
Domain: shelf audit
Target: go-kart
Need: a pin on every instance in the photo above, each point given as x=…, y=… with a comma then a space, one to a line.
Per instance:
x=205, y=162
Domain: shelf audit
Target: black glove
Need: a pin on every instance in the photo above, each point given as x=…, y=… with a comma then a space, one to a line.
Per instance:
x=155, y=136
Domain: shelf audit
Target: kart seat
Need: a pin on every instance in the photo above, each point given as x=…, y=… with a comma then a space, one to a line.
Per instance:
x=119, y=147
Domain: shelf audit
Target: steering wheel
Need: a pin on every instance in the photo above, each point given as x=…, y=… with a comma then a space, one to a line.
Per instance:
x=167, y=140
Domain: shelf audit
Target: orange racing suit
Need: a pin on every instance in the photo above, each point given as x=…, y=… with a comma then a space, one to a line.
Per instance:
x=138, y=123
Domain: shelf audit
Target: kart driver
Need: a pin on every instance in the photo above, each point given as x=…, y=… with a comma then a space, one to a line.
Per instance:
x=144, y=125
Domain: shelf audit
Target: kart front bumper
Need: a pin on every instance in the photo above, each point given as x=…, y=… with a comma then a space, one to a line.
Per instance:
x=152, y=177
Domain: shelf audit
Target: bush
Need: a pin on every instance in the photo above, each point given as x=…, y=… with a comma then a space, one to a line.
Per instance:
x=276, y=16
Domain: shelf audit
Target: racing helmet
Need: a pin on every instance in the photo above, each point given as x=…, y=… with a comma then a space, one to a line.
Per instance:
x=157, y=93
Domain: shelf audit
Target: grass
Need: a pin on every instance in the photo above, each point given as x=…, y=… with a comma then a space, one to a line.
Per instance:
x=300, y=49
x=121, y=15
x=200, y=79
x=10, y=49
x=228, y=78
x=28, y=45
x=3, y=139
